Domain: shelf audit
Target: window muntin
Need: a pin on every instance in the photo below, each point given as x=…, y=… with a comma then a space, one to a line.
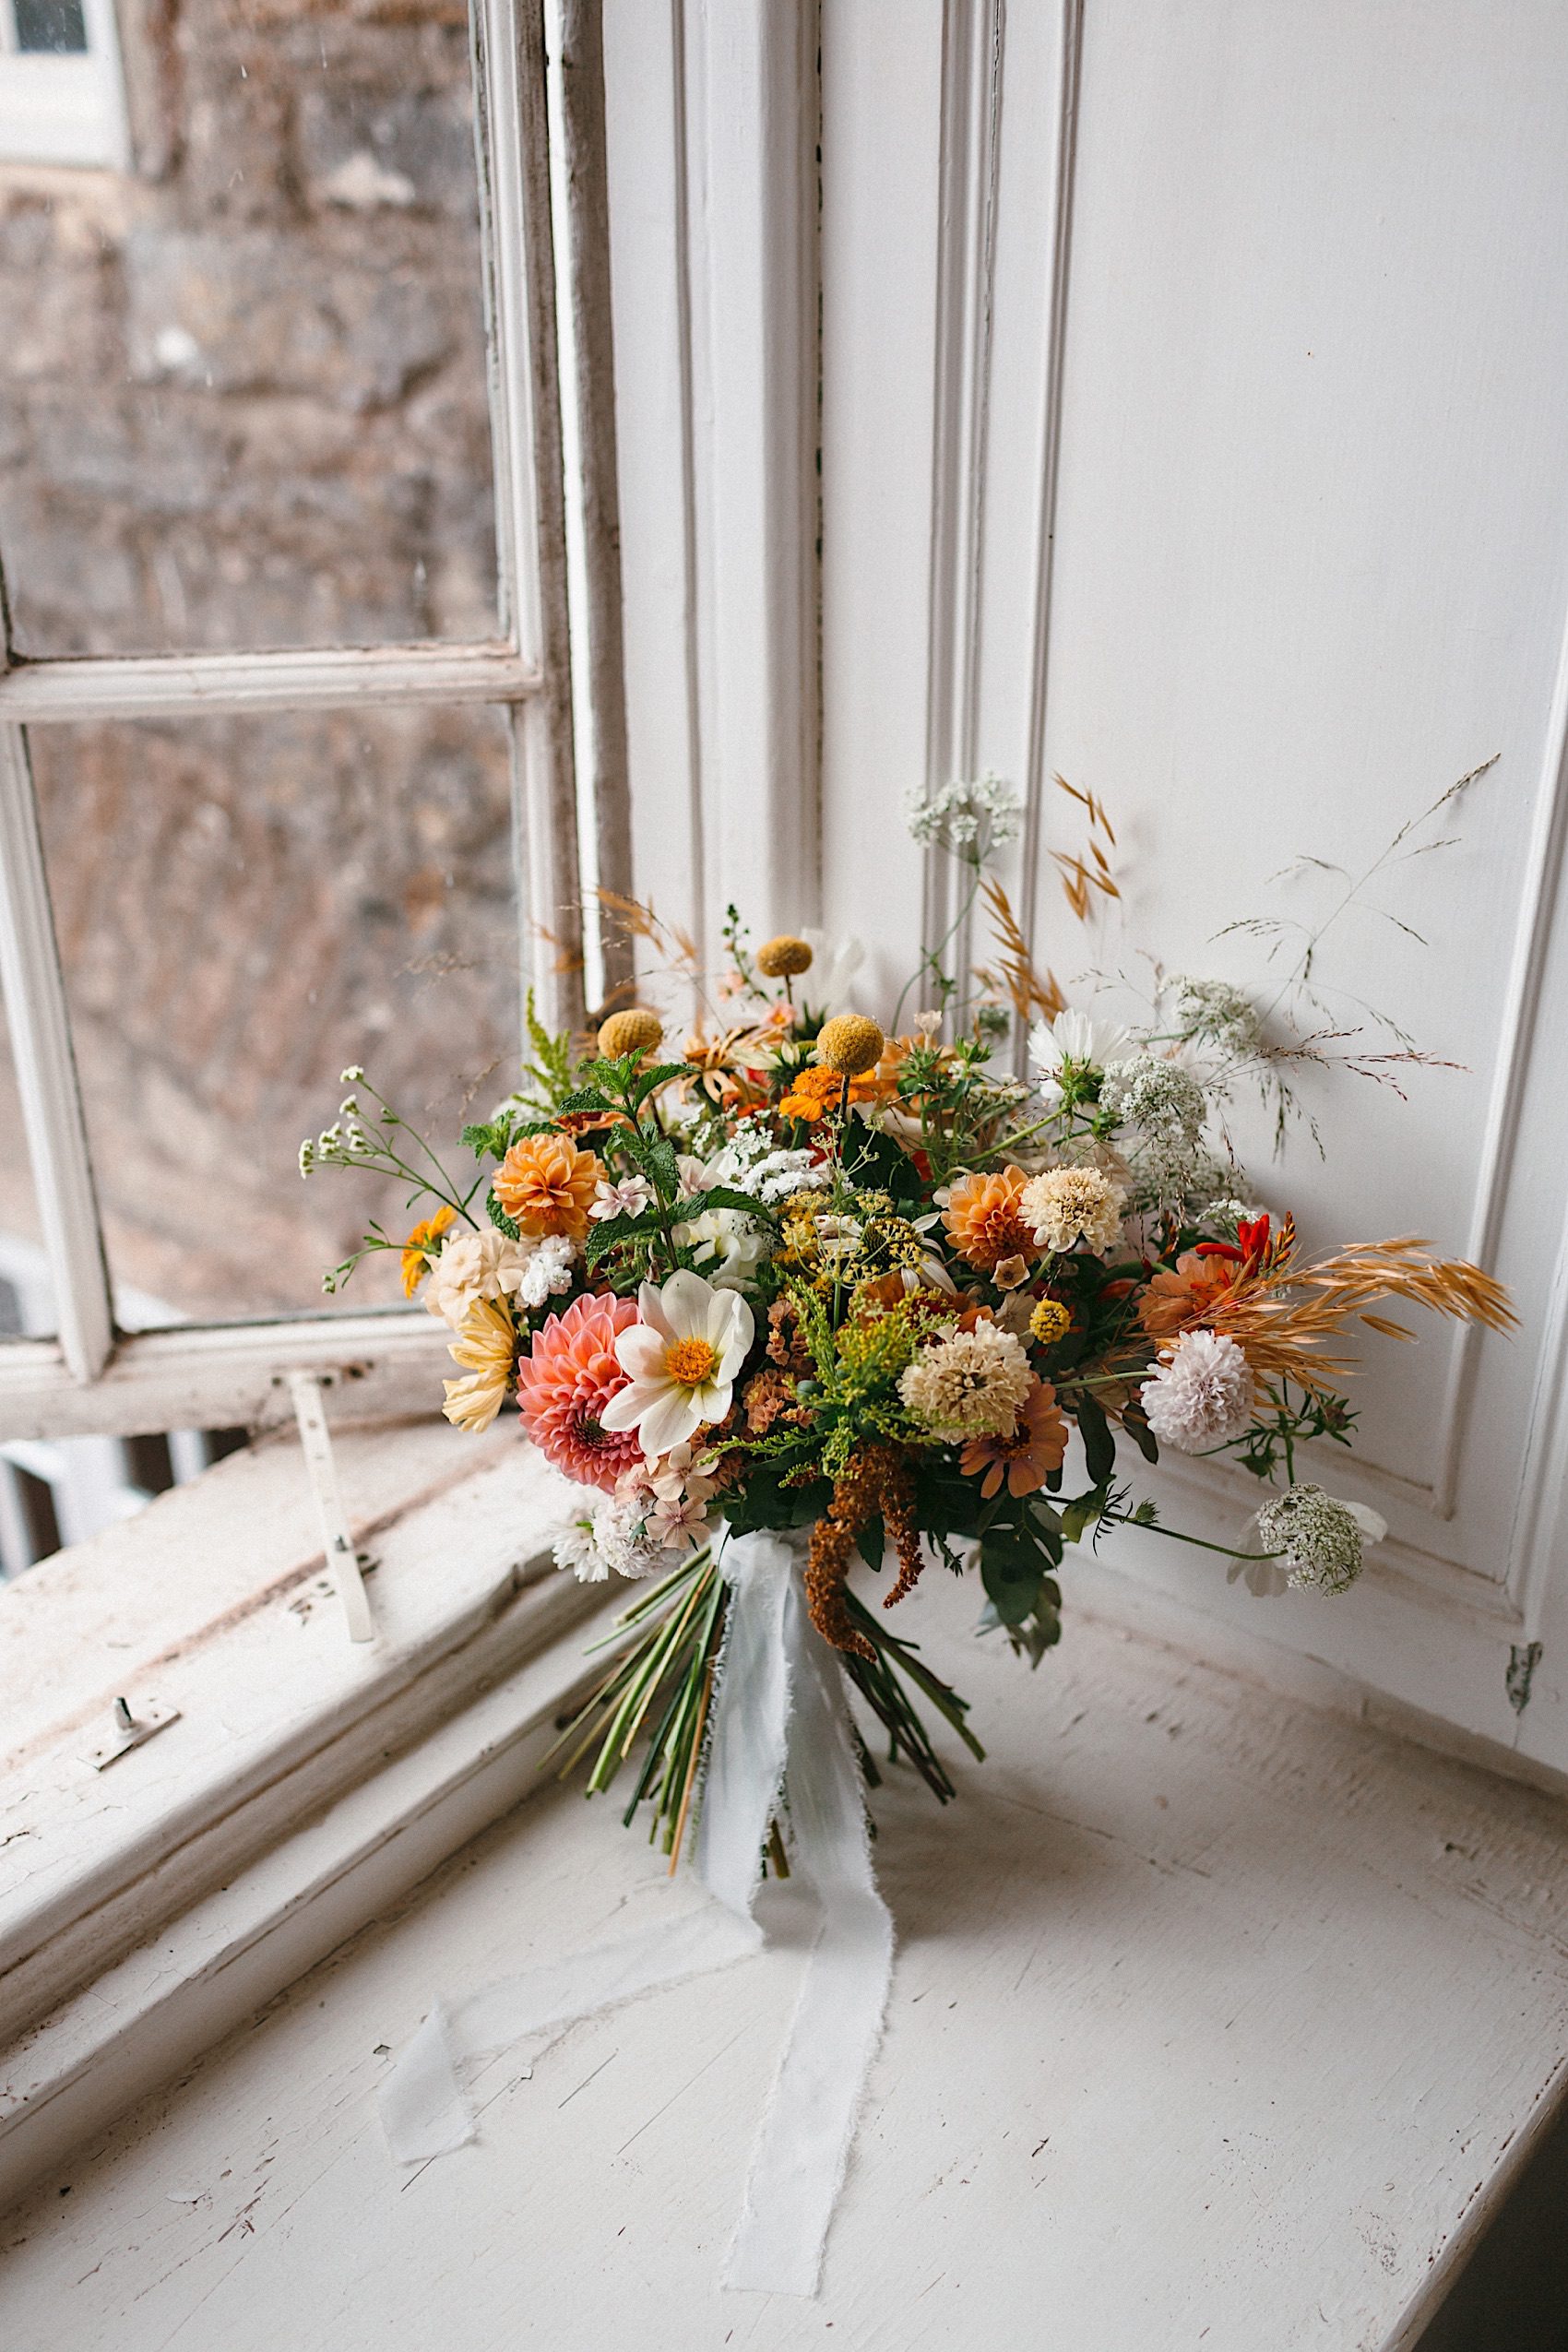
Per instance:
x=27, y=1305
x=243, y=403
x=241, y=906
x=96, y=1378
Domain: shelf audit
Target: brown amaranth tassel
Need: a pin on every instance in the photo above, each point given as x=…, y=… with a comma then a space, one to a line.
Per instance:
x=875, y=1478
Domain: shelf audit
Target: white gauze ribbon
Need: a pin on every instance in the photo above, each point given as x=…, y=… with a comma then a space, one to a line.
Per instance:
x=779, y=1721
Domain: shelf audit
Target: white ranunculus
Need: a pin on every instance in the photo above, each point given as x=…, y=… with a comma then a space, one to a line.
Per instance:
x=683, y=1356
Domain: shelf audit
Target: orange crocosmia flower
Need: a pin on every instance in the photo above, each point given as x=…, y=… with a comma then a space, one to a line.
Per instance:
x=984, y=1219
x=547, y=1185
x=419, y=1245
x=1175, y=1301
x=1037, y=1446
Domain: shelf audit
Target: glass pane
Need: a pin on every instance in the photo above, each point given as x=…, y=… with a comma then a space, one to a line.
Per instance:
x=55, y=26
x=26, y=1304
x=245, y=907
x=243, y=395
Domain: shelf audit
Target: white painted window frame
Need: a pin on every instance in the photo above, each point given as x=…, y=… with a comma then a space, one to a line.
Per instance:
x=93, y=1378
x=64, y=108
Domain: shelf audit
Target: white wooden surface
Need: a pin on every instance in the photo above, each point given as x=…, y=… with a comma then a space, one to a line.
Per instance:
x=1172, y=2060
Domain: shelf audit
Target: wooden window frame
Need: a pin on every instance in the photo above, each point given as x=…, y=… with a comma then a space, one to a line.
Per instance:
x=91, y=1377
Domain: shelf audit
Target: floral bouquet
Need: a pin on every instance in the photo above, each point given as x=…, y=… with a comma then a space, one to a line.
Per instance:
x=809, y=1273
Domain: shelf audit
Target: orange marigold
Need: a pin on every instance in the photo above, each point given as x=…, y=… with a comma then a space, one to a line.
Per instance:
x=419, y=1247
x=546, y=1185
x=984, y=1222
x=1172, y=1302
x=816, y=1089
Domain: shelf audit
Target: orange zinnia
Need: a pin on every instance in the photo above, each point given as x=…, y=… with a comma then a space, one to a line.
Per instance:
x=547, y=1185
x=416, y=1249
x=1037, y=1446
x=1172, y=1302
x=984, y=1219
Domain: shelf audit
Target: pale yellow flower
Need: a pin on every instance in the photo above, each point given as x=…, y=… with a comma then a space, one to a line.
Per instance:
x=487, y=1347
x=972, y=1384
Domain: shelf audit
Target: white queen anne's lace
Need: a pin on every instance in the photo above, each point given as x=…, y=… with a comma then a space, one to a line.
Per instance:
x=1321, y=1538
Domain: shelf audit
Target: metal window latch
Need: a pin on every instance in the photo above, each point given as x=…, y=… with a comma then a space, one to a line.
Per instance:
x=344, y=1562
x=132, y=1731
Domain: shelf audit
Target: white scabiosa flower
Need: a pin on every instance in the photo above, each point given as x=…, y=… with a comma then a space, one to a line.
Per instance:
x=1321, y=1539
x=682, y=1356
x=475, y=1266
x=1066, y=1206
x=1073, y=1037
x=1202, y=1395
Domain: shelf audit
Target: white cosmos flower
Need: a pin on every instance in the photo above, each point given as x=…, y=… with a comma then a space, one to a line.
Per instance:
x=682, y=1356
x=1072, y=1037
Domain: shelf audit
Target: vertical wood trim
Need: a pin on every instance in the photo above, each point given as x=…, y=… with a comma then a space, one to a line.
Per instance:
x=583, y=132
x=750, y=89
x=1532, y=940
x=1034, y=778
x=972, y=55
x=46, y=1075
x=513, y=134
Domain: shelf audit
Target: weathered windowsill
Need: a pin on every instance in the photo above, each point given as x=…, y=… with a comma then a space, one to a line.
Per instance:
x=1216, y=2019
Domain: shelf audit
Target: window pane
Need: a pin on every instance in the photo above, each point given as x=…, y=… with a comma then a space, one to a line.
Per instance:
x=56, y=26
x=25, y=1302
x=245, y=907
x=243, y=395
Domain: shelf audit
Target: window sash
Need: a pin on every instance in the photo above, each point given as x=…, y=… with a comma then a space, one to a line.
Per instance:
x=89, y=1378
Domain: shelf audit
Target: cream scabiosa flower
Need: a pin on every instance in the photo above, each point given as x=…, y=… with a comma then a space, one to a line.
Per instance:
x=971, y=1385
x=682, y=1357
x=1069, y=1204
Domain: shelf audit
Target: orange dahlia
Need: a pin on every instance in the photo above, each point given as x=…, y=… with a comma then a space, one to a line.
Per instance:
x=984, y=1221
x=547, y=1185
x=565, y=1382
x=1037, y=1446
x=1172, y=1302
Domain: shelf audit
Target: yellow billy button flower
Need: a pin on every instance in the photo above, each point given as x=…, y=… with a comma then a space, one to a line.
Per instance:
x=785, y=957
x=637, y=1031
x=850, y=1044
x=1050, y=1323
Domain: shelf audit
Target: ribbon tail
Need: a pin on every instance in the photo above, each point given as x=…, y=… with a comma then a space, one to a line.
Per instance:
x=803, y=2145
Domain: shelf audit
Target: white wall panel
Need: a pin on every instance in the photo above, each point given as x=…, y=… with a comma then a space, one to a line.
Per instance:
x=1192, y=421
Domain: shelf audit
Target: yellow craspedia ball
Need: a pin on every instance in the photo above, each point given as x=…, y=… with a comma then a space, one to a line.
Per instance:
x=637, y=1031
x=785, y=957
x=850, y=1044
x=1050, y=1323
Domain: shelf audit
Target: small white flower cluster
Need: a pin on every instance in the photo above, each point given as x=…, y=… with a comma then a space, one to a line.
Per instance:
x=1165, y=1103
x=969, y=819
x=475, y=1266
x=750, y=1162
x=1203, y=1396
x=1321, y=1538
x=657, y=1508
x=1219, y=1014
x=339, y=1145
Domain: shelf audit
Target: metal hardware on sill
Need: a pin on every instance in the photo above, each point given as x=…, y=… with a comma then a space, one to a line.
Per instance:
x=132, y=1731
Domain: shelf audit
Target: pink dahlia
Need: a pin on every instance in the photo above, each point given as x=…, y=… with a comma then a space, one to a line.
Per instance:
x=563, y=1384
